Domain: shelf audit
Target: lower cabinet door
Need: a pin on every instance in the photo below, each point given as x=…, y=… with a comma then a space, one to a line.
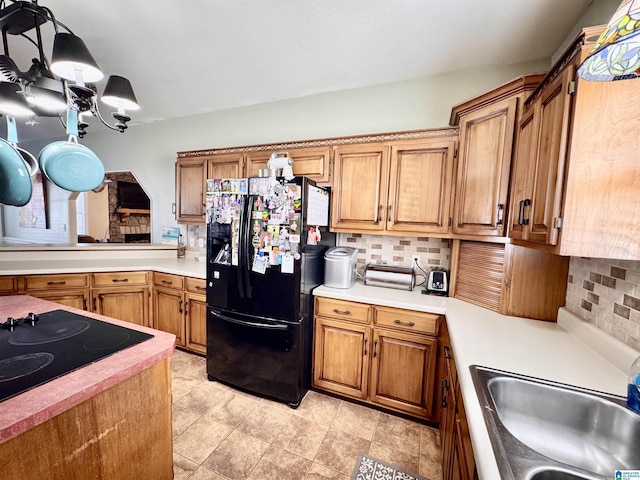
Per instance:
x=130, y=304
x=168, y=308
x=403, y=371
x=341, y=353
x=196, y=323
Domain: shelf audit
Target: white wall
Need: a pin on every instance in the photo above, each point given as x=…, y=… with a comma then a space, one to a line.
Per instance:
x=149, y=151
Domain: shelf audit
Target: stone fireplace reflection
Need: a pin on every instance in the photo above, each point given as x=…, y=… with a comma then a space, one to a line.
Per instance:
x=126, y=226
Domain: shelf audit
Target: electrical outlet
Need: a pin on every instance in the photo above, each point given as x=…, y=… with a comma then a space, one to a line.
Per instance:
x=415, y=260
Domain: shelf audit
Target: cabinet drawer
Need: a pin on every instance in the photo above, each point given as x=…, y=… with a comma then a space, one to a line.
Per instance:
x=329, y=307
x=8, y=284
x=168, y=280
x=47, y=282
x=196, y=285
x=111, y=279
x=406, y=320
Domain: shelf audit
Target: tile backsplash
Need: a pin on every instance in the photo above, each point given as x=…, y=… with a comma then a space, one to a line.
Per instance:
x=434, y=252
x=606, y=293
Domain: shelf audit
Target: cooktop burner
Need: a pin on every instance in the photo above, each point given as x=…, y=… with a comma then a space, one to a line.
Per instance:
x=41, y=347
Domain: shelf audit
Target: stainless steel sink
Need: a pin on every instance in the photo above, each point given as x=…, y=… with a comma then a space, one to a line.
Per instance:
x=543, y=430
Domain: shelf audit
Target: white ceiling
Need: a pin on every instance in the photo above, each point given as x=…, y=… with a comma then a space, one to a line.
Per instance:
x=187, y=57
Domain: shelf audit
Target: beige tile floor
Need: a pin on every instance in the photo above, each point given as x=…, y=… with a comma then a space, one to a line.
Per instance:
x=223, y=434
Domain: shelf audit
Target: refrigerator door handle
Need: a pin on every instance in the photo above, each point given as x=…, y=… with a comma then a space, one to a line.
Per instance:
x=241, y=246
x=266, y=326
x=246, y=245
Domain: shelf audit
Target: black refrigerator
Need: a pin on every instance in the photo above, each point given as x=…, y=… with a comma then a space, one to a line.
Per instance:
x=266, y=239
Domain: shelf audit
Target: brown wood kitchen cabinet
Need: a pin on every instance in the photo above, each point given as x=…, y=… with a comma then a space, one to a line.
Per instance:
x=379, y=355
x=191, y=175
x=576, y=163
x=168, y=305
x=122, y=295
x=310, y=162
x=400, y=187
x=458, y=461
x=229, y=165
x=71, y=289
x=509, y=279
x=196, y=315
x=487, y=125
x=179, y=307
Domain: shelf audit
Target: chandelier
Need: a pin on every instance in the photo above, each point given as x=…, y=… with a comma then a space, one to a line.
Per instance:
x=48, y=87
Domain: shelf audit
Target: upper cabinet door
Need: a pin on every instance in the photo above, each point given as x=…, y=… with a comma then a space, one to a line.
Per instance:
x=360, y=187
x=228, y=165
x=522, y=174
x=554, y=110
x=312, y=162
x=190, y=190
x=484, y=162
x=420, y=186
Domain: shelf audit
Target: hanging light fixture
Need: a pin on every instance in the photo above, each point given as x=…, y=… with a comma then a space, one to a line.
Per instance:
x=616, y=55
x=48, y=88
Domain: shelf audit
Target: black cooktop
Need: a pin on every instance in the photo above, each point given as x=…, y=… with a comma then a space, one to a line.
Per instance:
x=41, y=347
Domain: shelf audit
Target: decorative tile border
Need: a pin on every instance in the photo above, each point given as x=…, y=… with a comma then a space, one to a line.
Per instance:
x=606, y=293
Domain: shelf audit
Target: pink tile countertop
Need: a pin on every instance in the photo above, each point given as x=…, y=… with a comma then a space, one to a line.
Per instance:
x=33, y=407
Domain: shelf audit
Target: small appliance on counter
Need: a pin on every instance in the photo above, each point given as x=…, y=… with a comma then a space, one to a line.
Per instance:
x=383, y=275
x=340, y=267
x=437, y=282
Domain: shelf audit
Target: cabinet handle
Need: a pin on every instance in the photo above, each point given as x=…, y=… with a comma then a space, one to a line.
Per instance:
x=378, y=214
x=390, y=212
x=95, y=305
x=365, y=345
x=525, y=203
x=61, y=282
x=341, y=312
x=84, y=304
x=407, y=324
x=520, y=211
x=375, y=347
x=444, y=388
x=499, y=213
x=204, y=208
x=167, y=282
x=119, y=280
x=180, y=307
x=447, y=352
x=198, y=287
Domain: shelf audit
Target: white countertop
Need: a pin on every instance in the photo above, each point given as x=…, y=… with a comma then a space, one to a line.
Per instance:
x=97, y=262
x=570, y=351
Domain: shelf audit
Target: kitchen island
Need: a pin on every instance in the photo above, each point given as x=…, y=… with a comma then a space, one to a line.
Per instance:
x=570, y=351
x=110, y=419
